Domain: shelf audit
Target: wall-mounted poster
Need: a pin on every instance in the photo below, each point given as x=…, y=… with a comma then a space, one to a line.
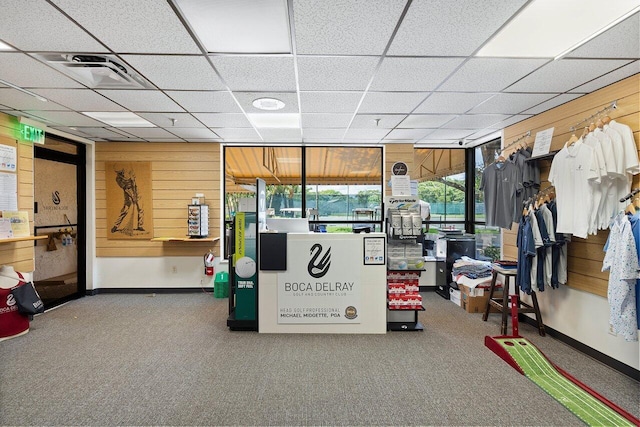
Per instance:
x=129, y=200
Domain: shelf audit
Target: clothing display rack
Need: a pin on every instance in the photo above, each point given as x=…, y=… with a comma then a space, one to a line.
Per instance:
x=612, y=106
x=516, y=141
x=630, y=195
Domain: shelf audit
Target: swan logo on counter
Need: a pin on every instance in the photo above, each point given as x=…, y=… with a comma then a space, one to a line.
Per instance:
x=317, y=268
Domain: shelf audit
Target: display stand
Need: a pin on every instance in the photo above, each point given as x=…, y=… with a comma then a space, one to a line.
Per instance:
x=198, y=221
x=405, y=263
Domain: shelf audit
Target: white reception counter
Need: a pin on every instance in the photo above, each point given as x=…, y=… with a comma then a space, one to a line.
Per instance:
x=333, y=283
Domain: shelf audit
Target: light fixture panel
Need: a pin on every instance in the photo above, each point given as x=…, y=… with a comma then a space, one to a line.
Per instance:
x=560, y=26
x=239, y=26
x=119, y=118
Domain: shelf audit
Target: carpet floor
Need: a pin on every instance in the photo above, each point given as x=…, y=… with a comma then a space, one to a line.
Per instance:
x=169, y=359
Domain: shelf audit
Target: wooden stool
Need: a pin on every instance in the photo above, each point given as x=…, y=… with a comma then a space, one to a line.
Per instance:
x=503, y=305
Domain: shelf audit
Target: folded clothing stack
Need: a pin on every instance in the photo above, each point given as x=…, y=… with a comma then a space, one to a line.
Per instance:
x=471, y=268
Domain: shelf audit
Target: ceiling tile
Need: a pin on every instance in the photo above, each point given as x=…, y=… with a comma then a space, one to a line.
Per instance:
x=565, y=74
x=230, y=120
x=320, y=120
x=607, y=79
x=621, y=41
x=425, y=121
x=163, y=120
x=449, y=134
x=150, y=133
x=371, y=134
x=102, y=132
x=79, y=99
x=511, y=103
x=190, y=133
x=315, y=134
x=257, y=73
x=281, y=135
x=335, y=73
x=205, y=139
x=173, y=139
x=246, y=99
x=490, y=74
x=321, y=141
x=14, y=99
x=481, y=133
x=413, y=74
x=553, y=102
x=410, y=134
x=205, y=102
x=34, y=25
x=452, y=103
x=176, y=72
x=384, y=121
x=510, y=121
x=391, y=102
x=142, y=100
x=72, y=131
x=24, y=71
x=475, y=121
x=446, y=28
x=237, y=133
x=344, y=26
x=329, y=102
x=141, y=26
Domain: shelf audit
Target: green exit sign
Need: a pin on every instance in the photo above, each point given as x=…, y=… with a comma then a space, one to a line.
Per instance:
x=30, y=133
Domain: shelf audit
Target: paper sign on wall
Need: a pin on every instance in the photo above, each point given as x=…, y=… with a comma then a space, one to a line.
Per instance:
x=542, y=143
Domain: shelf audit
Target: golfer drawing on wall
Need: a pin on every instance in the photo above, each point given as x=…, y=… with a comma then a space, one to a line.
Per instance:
x=132, y=214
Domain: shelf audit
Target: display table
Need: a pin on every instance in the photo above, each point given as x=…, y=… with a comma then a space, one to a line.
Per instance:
x=331, y=283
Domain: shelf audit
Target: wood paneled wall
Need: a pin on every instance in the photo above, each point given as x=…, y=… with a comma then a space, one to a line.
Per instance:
x=178, y=172
x=20, y=255
x=585, y=255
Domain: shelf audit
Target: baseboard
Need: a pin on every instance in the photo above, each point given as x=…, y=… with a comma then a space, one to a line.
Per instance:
x=147, y=291
x=591, y=352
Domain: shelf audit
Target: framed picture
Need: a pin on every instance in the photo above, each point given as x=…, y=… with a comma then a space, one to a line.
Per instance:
x=129, y=200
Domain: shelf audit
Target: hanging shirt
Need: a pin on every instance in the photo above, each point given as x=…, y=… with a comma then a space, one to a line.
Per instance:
x=500, y=184
x=635, y=229
x=549, y=244
x=621, y=259
x=574, y=172
x=631, y=165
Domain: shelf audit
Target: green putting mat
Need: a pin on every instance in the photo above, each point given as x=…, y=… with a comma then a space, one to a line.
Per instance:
x=539, y=370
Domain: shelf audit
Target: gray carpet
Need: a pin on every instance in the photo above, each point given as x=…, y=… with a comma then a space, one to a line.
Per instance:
x=171, y=360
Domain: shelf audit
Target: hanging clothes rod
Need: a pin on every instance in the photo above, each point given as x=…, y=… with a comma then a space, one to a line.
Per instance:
x=613, y=106
x=630, y=195
x=538, y=194
x=515, y=141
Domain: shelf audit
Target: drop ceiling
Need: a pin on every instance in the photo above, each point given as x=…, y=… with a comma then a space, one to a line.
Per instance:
x=357, y=72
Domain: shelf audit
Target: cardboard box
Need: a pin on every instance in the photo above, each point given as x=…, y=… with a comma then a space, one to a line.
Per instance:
x=455, y=296
x=475, y=300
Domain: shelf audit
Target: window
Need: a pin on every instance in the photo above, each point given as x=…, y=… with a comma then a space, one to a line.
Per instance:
x=488, y=239
x=342, y=185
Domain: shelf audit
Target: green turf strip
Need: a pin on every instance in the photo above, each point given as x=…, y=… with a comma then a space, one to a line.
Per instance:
x=538, y=369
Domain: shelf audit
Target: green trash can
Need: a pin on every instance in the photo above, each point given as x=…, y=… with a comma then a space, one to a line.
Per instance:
x=221, y=285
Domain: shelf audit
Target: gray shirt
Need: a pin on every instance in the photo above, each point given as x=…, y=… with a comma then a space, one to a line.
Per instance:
x=500, y=183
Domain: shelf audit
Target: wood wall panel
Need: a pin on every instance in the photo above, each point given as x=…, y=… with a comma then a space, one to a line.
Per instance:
x=20, y=255
x=585, y=255
x=178, y=172
x=398, y=153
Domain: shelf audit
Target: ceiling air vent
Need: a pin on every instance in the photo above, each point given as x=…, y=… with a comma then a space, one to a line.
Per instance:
x=96, y=71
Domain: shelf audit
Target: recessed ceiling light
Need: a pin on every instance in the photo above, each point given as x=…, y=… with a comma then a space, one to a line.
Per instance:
x=562, y=26
x=239, y=26
x=121, y=119
x=269, y=104
x=275, y=120
x=4, y=46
